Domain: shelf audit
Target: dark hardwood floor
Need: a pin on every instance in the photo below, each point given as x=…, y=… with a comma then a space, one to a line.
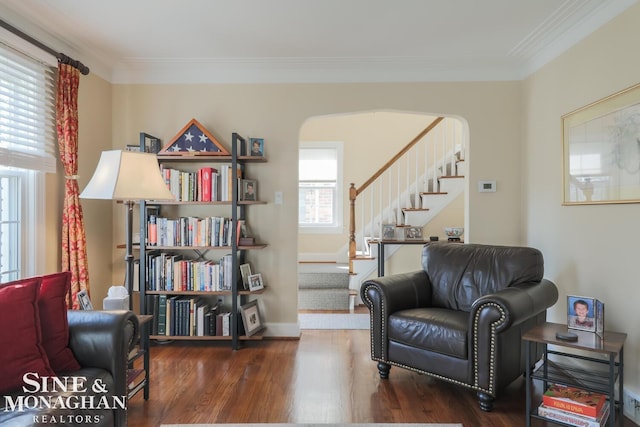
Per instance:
x=325, y=377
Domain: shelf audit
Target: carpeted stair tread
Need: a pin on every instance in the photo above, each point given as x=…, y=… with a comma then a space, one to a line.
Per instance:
x=323, y=299
x=315, y=280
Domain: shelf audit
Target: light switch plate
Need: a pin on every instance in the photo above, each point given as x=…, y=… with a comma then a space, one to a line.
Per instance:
x=278, y=198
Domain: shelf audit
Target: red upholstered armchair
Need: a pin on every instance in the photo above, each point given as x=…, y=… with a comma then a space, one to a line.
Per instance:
x=461, y=317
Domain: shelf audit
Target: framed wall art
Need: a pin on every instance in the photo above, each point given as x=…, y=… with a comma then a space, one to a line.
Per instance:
x=601, y=146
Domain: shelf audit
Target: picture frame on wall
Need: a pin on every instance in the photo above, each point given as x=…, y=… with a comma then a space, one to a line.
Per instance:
x=251, y=318
x=601, y=160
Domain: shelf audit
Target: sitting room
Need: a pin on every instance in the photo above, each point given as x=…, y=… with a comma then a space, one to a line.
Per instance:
x=158, y=209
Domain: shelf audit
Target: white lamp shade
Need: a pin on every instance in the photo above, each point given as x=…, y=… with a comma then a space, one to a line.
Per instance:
x=127, y=175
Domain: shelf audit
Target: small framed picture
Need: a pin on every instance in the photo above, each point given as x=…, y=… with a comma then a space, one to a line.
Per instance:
x=149, y=143
x=249, y=189
x=255, y=282
x=413, y=233
x=251, y=318
x=256, y=146
x=83, y=300
x=600, y=318
x=245, y=272
x=388, y=231
x=581, y=313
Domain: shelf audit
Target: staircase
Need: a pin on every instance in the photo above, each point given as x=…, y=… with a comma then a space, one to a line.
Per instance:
x=323, y=287
x=410, y=190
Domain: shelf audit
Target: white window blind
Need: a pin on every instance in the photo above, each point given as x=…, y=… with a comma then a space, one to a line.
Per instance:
x=27, y=112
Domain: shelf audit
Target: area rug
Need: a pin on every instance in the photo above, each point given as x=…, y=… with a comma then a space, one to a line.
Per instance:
x=334, y=321
x=315, y=425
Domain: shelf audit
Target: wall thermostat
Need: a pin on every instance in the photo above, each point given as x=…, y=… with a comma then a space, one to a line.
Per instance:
x=486, y=186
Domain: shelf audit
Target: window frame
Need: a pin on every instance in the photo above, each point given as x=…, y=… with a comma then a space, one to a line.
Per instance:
x=337, y=227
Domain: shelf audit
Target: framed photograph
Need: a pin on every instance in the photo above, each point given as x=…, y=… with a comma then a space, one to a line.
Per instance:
x=245, y=272
x=388, y=231
x=255, y=282
x=149, y=143
x=249, y=189
x=601, y=146
x=413, y=233
x=251, y=318
x=256, y=146
x=600, y=318
x=83, y=300
x=581, y=313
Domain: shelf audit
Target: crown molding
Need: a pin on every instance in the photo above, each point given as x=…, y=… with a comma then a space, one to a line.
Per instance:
x=310, y=70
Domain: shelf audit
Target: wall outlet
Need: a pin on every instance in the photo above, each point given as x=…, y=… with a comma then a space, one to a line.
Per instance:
x=631, y=406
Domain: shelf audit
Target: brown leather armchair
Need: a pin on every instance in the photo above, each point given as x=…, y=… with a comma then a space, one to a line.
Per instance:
x=461, y=317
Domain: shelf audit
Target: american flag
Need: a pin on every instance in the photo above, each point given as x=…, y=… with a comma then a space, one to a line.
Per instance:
x=194, y=138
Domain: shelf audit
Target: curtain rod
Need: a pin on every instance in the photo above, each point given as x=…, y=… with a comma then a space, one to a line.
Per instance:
x=60, y=56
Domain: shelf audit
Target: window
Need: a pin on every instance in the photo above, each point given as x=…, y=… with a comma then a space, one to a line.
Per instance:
x=27, y=152
x=320, y=187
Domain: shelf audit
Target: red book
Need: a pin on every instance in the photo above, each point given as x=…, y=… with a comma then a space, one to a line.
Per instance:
x=574, y=400
x=207, y=183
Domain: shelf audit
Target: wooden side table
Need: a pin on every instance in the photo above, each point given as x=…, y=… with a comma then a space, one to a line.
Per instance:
x=135, y=380
x=595, y=374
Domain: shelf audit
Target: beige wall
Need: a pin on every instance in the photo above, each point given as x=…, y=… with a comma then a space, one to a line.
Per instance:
x=278, y=112
x=589, y=250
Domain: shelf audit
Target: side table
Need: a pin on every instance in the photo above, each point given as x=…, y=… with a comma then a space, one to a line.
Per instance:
x=138, y=379
x=594, y=374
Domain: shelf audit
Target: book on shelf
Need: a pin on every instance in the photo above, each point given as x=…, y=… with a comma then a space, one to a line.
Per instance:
x=573, y=399
x=574, y=419
x=134, y=377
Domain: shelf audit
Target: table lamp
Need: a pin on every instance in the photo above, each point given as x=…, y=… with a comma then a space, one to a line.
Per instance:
x=127, y=176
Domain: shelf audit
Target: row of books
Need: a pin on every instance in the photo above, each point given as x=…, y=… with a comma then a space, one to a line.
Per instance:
x=574, y=406
x=171, y=272
x=207, y=184
x=183, y=316
x=189, y=231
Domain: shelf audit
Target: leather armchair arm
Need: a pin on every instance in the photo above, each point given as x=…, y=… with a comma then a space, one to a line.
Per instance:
x=386, y=295
x=518, y=303
x=498, y=312
x=103, y=339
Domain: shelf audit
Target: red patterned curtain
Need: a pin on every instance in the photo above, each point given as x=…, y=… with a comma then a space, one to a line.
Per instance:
x=74, y=242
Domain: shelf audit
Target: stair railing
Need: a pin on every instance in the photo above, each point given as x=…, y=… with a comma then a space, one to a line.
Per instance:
x=400, y=181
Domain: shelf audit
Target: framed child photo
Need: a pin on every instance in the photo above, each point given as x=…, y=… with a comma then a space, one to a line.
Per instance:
x=581, y=313
x=249, y=189
x=255, y=282
x=256, y=146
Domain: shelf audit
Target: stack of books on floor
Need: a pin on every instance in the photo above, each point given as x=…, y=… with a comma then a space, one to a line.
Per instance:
x=574, y=406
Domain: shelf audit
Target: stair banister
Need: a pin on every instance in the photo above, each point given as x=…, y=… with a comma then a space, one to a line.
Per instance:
x=354, y=192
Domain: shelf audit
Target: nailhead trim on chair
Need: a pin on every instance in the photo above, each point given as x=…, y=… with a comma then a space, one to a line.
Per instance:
x=383, y=324
x=492, y=356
